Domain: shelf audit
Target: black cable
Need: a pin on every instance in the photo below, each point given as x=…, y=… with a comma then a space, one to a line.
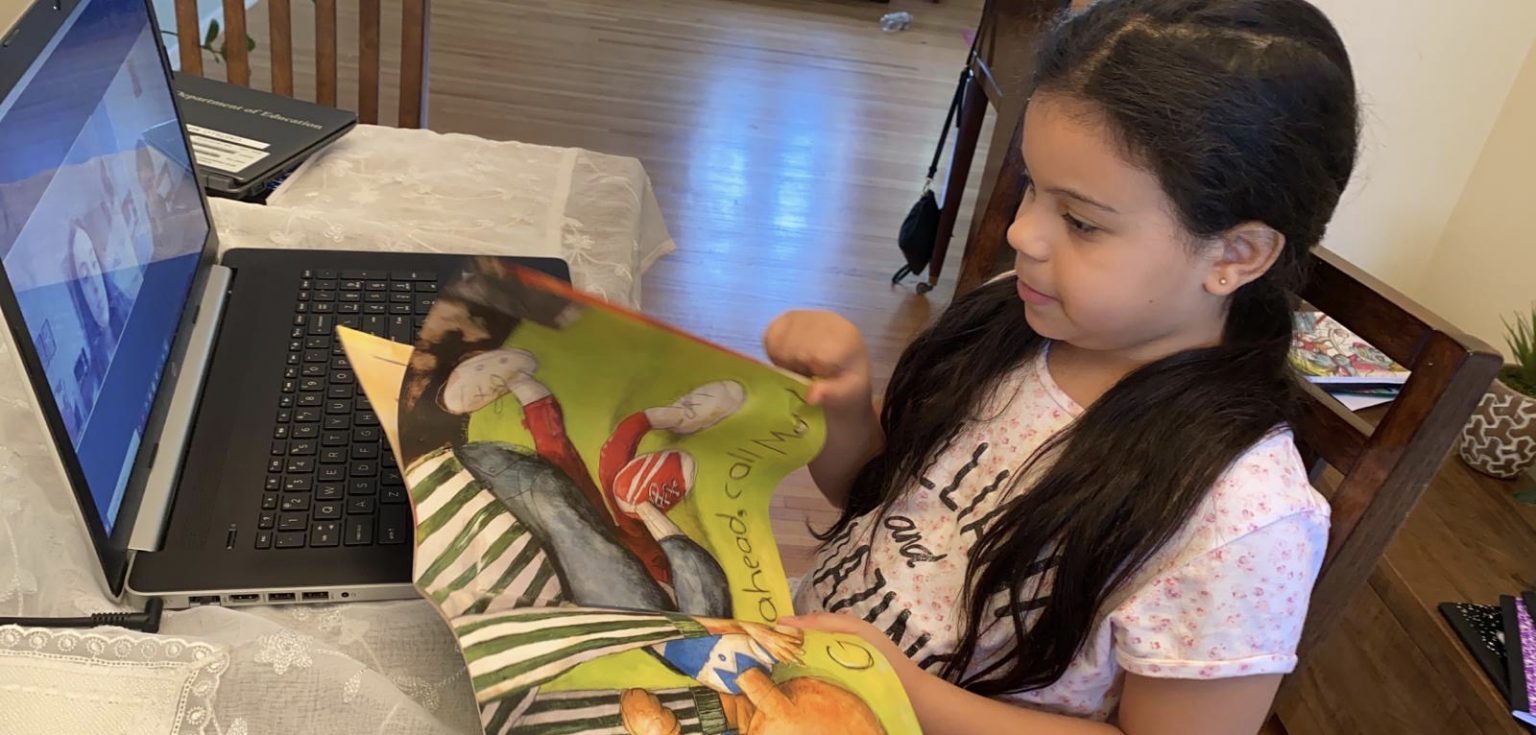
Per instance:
x=147, y=621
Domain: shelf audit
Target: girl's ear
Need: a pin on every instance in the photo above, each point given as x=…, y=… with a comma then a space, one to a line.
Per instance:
x=1245, y=253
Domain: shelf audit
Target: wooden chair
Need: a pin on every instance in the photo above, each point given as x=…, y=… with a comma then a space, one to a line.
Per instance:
x=413, y=53
x=1381, y=469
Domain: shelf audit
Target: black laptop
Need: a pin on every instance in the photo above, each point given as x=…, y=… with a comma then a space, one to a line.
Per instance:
x=245, y=141
x=207, y=420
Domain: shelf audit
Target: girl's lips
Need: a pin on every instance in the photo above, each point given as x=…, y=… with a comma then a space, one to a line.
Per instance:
x=1033, y=297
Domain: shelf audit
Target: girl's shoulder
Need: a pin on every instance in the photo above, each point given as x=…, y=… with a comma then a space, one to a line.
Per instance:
x=1266, y=484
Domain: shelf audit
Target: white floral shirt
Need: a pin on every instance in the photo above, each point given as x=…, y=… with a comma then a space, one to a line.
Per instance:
x=1226, y=597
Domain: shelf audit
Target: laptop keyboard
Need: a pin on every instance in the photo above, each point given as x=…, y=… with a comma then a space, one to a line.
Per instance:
x=332, y=480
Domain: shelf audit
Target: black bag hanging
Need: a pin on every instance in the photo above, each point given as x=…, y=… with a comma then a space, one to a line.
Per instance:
x=920, y=229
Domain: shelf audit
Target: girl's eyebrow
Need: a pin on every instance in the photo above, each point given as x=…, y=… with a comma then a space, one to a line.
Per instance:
x=1070, y=194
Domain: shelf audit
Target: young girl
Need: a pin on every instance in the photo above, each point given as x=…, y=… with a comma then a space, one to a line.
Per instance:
x=1081, y=503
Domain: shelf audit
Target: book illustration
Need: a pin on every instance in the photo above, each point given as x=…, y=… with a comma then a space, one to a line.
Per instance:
x=590, y=492
x=1481, y=629
x=1520, y=647
x=1325, y=351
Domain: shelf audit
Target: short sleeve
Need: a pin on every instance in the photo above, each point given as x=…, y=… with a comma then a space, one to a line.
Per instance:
x=1235, y=610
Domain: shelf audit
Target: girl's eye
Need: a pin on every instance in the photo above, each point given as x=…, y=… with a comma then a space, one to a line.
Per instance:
x=1077, y=224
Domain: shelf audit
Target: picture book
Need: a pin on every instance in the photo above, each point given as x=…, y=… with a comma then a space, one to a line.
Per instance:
x=1520, y=648
x=1481, y=630
x=590, y=491
x=1326, y=352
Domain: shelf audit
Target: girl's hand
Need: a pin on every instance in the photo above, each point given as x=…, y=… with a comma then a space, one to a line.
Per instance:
x=828, y=348
x=848, y=625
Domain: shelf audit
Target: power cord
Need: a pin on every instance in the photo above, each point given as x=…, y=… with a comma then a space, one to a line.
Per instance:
x=147, y=621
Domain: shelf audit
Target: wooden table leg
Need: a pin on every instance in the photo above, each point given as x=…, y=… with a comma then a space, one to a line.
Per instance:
x=973, y=111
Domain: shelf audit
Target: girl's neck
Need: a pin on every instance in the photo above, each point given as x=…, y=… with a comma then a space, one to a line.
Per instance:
x=1085, y=375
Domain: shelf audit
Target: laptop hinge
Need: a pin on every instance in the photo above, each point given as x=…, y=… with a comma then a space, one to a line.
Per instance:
x=186, y=387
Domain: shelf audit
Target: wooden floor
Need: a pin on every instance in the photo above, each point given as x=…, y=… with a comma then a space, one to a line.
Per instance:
x=786, y=140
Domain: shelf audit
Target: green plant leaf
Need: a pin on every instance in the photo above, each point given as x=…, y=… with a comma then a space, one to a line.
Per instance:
x=250, y=44
x=1520, y=335
x=213, y=32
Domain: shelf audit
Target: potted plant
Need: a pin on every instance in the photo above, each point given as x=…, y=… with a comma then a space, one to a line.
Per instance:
x=1500, y=438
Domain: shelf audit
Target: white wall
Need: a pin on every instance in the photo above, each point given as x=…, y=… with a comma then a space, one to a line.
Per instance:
x=1433, y=75
x=1485, y=266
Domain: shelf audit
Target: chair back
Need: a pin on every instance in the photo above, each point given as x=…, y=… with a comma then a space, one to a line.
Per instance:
x=279, y=48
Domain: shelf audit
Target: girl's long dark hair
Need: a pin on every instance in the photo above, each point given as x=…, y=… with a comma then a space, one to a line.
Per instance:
x=1245, y=111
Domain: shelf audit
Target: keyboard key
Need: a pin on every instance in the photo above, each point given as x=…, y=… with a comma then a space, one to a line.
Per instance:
x=360, y=505
x=274, y=465
x=313, y=371
x=274, y=483
x=329, y=510
x=338, y=350
x=285, y=400
x=317, y=342
x=376, y=325
x=363, y=404
x=391, y=477
x=364, y=275
x=290, y=373
x=399, y=310
x=293, y=359
x=292, y=522
x=299, y=320
x=296, y=502
x=338, y=422
x=290, y=540
x=379, y=285
x=392, y=496
x=368, y=450
x=375, y=309
x=329, y=491
x=365, y=418
x=310, y=400
x=301, y=465
x=267, y=519
x=361, y=486
x=301, y=447
x=365, y=469
x=323, y=299
x=331, y=473
x=338, y=392
x=323, y=308
x=424, y=306
x=394, y=525
x=378, y=297
x=400, y=327
x=413, y=275
x=333, y=455
x=301, y=308
x=387, y=461
x=366, y=434
x=322, y=324
x=306, y=416
x=263, y=539
x=349, y=319
x=279, y=449
x=269, y=501
x=325, y=284
x=336, y=408
x=306, y=431
x=359, y=531
x=398, y=287
x=401, y=298
x=325, y=534
x=425, y=287
x=317, y=356
x=333, y=439
x=303, y=296
x=310, y=385
x=280, y=432
x=284, y=416
x=341, y=377
x=298, y=484
x=347, y=308
x=341, y=364
x=352, y=284
x=326, y=274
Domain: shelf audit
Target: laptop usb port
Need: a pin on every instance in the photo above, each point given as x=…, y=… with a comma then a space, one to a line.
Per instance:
x=203, y=599
x=280, y=597
x=317, y=595
x=245, y=598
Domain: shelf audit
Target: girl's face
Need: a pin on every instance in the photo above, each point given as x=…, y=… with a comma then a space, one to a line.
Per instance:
x=88, y=270
x=1103, y=262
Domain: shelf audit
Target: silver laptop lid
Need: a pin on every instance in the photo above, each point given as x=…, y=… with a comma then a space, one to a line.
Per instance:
x=104, y=237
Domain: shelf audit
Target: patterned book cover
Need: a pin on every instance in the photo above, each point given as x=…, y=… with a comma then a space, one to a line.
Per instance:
x=1481, y=629
x=1326, y=352
x=1520, y=647
x=590, y=492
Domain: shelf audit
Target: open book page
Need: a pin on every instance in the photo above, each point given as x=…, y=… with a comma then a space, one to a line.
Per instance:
x=590, y=492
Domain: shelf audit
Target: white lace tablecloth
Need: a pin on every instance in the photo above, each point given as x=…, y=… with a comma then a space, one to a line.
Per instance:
x=336, y=669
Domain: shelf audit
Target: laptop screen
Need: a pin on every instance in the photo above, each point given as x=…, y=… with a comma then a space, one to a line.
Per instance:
x=101, y=230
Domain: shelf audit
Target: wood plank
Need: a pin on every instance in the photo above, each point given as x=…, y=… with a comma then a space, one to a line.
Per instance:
x=237, y=57
x=368, y=62
x=325, y=52
x=415, y=30
x=280, y=41
x=189, y=37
